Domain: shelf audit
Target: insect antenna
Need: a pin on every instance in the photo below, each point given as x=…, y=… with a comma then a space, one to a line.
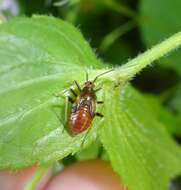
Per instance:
x=87, y=76
x=101, y=75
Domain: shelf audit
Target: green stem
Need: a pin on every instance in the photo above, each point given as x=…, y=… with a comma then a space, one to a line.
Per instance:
x=71, y=15
x=64, y=2
x=129, y=70
x=124, y=10
x=36, y=177
x=110, y=38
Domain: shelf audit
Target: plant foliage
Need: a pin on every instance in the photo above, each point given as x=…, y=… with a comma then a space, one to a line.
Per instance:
x=43, y=59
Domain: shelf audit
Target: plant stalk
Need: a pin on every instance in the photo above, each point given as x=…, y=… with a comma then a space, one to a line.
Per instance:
x=131, y=68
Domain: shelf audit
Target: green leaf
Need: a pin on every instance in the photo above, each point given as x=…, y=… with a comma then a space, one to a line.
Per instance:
x=139, y=147
x=175, y=102
x=89, y=153
x=171, y=121
x=39, y=57
x=159, y=20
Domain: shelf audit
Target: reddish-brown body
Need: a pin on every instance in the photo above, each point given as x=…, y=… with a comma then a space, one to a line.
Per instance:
x=84, y=107
x=83, y=110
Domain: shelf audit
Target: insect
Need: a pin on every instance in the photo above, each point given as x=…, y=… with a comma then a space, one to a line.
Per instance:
x=83, y=108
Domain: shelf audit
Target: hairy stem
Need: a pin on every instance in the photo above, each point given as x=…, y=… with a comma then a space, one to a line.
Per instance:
x=130, y=69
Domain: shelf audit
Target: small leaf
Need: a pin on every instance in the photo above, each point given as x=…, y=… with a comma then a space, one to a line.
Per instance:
x=139, y=147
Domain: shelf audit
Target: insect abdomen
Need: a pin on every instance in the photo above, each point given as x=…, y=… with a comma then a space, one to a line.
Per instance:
x=80, y=120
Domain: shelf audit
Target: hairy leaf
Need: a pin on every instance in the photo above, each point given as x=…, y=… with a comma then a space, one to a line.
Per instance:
x=139, y=147
x=37, y=62
x=170, y=120
x=41, y=57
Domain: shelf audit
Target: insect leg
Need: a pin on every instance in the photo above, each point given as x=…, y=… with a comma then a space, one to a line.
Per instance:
x=66, y=112
x=78, y=86
x=59, y=118
x=63, y=122
x=100, y=102
x=58, y=94
x=63, y=96
x=70, y=99
x=96, y=90
x=73, y=92
x=87, y=76
x=66, y=109
x=99, y=114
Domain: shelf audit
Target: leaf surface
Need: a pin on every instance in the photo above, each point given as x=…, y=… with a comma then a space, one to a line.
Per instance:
x=45, y=58
x=37, y=62
x=139, y=146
